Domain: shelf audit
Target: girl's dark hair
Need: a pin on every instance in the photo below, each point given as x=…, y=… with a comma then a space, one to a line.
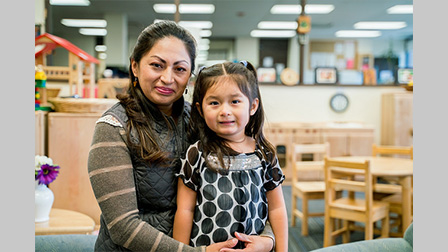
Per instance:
x=136, y=103
x=245, y=76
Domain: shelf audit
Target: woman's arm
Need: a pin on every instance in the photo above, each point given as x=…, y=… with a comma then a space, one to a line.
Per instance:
x=112, y=179
x=183, y=220
x=278, y=218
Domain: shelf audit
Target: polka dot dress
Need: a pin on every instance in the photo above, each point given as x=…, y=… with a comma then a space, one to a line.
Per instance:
x=229, y=201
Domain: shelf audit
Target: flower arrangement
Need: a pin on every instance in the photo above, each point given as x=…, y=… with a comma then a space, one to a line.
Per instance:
x=45, y=172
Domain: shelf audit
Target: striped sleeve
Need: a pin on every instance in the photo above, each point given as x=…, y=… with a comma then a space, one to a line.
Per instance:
x=111, y=176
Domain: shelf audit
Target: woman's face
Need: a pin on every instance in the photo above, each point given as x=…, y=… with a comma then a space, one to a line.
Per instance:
x=163, y=72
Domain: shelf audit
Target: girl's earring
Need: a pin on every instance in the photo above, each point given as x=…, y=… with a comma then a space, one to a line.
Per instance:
x=135, y=81
x=186, y=90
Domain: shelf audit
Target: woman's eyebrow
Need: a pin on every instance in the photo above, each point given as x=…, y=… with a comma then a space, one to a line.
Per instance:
x=164, y=61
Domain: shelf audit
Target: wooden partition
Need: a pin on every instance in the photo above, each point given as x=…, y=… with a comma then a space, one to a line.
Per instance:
x=69, y=139
x=40, y=133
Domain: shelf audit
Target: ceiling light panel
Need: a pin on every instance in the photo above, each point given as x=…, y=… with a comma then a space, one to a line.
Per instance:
x=197, y=24
x=401, y=9
x=93, y=32
x=70, y=2
x=98, y=23
x=185, y=8
x=380, y=25
x=277, y=25
x=357, y=34
x=272, y=33
x=205, y=33
x=297, y=9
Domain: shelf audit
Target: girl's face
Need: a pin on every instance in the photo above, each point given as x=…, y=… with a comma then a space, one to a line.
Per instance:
x=163, y=72
x=226, y=110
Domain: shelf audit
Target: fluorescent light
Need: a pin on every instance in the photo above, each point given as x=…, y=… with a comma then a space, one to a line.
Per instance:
x=102, y=56
x=70, y=2
x=185, y=8
x=318, y=8
x=197, y=24
x=100, y=48
x=202, y=47
x=380, y=25
x=401, y=9
x=273, y=33
x=205, y=33
x=84, y=22
x=93, y=32
x=277, y=25
x=204, y=41
x=297, y=9
x=357, y=34
x=286, y=9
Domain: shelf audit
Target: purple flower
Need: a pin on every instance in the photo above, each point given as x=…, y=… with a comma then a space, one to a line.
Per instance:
x=47, y=173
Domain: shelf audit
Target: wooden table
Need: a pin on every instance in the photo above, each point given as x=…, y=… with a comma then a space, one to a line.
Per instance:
x=65, y=222
x=400, y=168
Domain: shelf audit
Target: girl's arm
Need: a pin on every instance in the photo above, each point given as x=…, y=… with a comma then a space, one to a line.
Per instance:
x=183, y=220
x=278, y=218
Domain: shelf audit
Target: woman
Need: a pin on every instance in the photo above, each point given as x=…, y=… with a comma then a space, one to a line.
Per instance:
x=137, y=145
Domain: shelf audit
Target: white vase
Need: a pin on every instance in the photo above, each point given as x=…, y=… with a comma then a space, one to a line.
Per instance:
x=43, y=201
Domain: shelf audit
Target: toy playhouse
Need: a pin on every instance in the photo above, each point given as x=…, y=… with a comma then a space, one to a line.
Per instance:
x=80, y=71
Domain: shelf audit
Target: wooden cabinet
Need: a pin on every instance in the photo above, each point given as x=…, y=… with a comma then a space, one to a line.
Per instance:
x=396, y=119
x=40, y=133
x=349, y=141
x=346, y=139
x=69, y=139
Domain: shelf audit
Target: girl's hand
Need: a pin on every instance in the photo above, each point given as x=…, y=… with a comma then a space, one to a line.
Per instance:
x=252, y=243
x=222, y=245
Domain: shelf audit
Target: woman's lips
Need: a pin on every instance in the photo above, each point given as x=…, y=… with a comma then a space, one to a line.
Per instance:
x=165, y=91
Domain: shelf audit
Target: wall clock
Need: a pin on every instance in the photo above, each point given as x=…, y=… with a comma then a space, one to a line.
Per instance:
x=289, y=77
x=339, y=103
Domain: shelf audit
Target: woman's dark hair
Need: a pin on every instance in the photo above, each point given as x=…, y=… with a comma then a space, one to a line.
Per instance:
x=136, y=103
x=245, y=76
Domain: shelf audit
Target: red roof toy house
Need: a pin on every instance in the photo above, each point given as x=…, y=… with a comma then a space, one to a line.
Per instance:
x=80, y=69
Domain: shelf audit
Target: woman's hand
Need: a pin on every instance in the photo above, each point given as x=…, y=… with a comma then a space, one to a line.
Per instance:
x=252, y=243
x=222, y=245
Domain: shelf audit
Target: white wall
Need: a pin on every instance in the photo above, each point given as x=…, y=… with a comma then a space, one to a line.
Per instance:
x=311, y=104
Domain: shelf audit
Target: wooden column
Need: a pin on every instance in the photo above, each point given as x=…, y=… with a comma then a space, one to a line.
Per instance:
x=301, y=47
x=177, y=13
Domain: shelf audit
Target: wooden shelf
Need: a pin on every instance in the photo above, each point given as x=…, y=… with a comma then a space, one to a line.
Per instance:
x=326, y=85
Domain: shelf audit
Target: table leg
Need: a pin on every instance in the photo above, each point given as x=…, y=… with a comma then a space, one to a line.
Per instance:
x=406, y=201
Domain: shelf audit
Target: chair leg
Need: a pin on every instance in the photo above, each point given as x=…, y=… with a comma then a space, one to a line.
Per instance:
x=368, y=235
x=294, y=206
x=385, y=227
x=305, y=215
x=346, y=233
x=328, y=229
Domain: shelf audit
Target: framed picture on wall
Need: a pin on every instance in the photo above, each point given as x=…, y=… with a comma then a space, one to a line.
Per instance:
x=266, y=75
x=405, y=75
x=326, y=75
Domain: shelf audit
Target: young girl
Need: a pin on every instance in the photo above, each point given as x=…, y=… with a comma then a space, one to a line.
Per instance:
x=230, y=179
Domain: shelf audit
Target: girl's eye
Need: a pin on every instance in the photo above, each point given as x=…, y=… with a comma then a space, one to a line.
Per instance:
x=214, y=103
x=235, y=101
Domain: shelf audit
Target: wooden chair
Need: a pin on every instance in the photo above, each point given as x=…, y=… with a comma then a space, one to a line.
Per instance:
x=307, y=179
x=391, y=192
x=352, y=207
x=392, y=150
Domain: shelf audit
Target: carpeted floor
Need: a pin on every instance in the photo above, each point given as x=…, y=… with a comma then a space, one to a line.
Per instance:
x=315, y=239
